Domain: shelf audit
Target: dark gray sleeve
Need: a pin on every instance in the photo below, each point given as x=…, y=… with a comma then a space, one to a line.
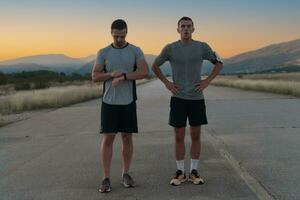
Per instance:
x=163, y=56
x=100, y=58
x=210, y=55
x=139, y=55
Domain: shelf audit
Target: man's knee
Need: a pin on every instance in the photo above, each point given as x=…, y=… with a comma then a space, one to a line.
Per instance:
x=127, y=138
x=195, y=133
x=108, y=139
x=179, y=135
x=195, y=136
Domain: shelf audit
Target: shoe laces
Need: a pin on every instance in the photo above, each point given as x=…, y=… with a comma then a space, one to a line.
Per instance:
x=195, y=173
x=106, y=182
x=178, y=173
x=127, y=177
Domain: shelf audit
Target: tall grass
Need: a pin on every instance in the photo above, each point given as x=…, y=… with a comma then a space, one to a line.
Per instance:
x=48, y=98
x=279, y=87
x=53, y=97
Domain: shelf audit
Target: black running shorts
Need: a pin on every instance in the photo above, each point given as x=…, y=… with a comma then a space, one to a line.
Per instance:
x=118, y=118
x=183, y=109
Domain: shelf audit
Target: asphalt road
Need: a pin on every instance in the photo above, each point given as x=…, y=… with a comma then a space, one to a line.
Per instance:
x=250, y=150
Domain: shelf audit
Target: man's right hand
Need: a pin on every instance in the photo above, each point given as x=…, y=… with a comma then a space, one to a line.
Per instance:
x=171, y=86
x=116, y=74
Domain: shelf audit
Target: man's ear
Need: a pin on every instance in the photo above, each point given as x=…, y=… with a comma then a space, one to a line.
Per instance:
x=178, y=31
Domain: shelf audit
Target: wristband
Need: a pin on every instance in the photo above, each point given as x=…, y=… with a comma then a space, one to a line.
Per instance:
x=124, y=75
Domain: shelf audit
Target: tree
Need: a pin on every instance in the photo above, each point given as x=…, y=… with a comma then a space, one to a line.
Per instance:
x=3, y=79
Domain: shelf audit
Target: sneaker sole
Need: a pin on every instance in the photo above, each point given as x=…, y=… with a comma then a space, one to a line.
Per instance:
x=127, y=186
x=200, y=182
x=181, y=181
x=105, y=191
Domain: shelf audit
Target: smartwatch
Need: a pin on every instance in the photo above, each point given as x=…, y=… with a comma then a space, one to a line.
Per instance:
x=125, y=77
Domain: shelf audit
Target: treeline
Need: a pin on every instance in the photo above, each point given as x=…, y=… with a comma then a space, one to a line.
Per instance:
x=39, y=79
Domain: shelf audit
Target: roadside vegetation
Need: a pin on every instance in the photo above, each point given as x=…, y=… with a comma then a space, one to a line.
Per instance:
x=283, y=83
x=46, y=90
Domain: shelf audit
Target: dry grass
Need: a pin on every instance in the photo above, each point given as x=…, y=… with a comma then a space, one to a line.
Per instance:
x=53, y=97
x=48, y=98
x=273, y=86
x=277, y=76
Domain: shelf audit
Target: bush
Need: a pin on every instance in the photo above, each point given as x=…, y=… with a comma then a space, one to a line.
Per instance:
x=22, y=86
x=3, y=79
x=40, y=85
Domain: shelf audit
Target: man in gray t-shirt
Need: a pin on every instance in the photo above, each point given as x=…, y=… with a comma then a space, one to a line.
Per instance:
x=118, y=65
x=187, y=102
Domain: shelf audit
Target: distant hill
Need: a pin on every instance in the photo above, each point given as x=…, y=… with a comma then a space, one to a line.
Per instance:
x=49, y=59
x=274, y=57
x=28, y=67
x=88, y=58
x=86, y=68
x=24, y=67
x=280, y=57
x=52, y=62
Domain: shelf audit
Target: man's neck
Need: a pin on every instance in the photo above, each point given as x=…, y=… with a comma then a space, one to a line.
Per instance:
x=119, y=47
x=186, y=41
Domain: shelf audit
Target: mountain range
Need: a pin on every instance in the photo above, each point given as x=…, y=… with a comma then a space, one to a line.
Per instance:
x=275, y=57
x=283, y=56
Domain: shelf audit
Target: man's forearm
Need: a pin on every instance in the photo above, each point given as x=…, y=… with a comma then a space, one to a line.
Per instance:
x=218, y=67
x=159, y=74
x=100, y=76
x=139, y=74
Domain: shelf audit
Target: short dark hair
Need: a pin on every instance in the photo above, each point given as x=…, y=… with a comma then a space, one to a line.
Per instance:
x=119, y=24
x=185, y=18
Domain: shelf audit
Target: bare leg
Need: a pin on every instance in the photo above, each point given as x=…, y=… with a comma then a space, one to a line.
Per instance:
x=106, y=152
x=127, y=151
x=179, y=143
x=196, y=142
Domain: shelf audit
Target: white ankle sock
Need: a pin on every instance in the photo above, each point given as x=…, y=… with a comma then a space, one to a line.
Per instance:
x=180, y=165
x=194, y=164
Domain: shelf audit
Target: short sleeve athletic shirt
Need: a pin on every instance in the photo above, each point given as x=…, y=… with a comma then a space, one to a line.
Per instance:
x=124, y=60
x=186, y=63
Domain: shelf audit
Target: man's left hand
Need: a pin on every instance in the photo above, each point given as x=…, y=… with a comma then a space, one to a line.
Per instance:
x=202, y=85
x=117, y=81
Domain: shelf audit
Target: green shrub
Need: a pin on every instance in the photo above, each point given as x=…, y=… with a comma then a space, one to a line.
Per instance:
x=3, y=79
x=22, y=86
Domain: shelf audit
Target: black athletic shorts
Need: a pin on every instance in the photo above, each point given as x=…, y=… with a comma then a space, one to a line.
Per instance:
x=118, y=118
x=183, y=109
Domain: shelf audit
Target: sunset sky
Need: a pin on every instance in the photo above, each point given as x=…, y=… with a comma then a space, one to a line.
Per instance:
x=78, y=28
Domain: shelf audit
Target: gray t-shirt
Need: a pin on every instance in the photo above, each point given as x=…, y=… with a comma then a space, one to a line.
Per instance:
x=124, y=60
x=186, y=63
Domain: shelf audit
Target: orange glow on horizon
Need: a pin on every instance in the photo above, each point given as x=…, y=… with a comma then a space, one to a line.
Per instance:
x=80, y=29
x=23, y=41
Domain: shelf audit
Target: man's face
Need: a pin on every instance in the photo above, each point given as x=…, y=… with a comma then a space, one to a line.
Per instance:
x=119, y=37
x=185, y=29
